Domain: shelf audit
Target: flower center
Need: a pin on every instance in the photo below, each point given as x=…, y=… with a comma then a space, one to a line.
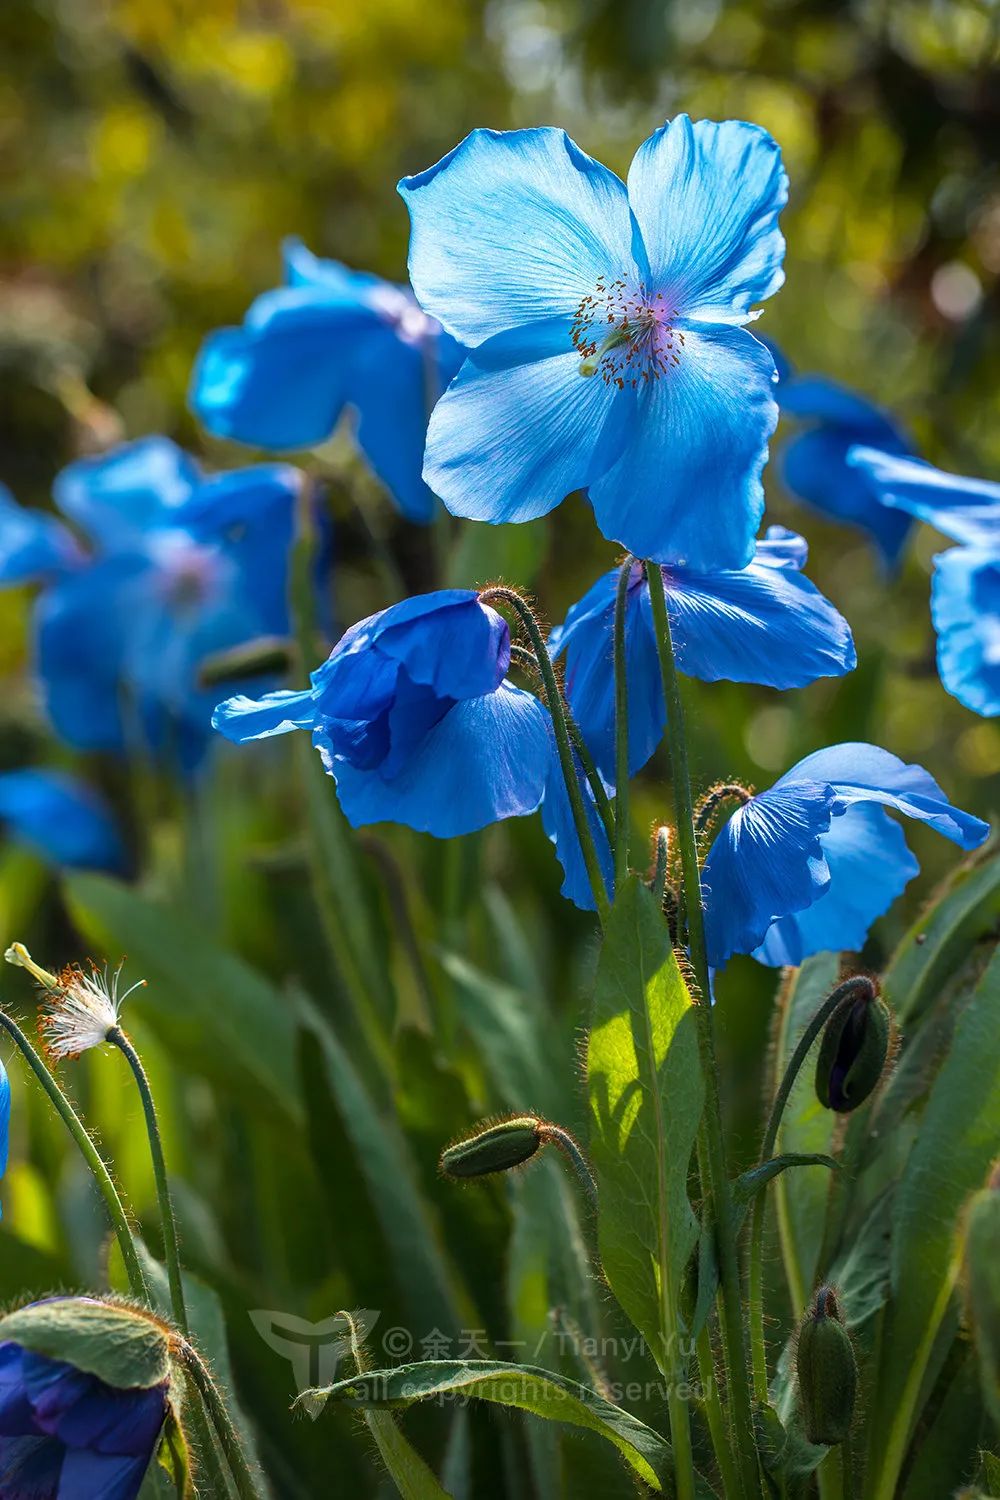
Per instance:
x=626, y=334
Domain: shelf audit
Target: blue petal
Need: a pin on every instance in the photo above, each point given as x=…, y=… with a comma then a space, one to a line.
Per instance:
x=707, y=198
x=61, y=818
x=870, y=866
x=519, y=428
x=81, y=626
x=486, y=760
x=687, y=490
x=965, y=607
x=31, y=1468
x=83, y=1411
x=767, y=624
x=4, y=1123
x=866, y=773
x=511, y=228
x=560, y=825
x=963, y=508
x=781, y=548
x=446, y=640
x=33, y=545
x=241, y=719
x=587, y=641
x=767, y=862
x=86, y=1474
x=119, y=496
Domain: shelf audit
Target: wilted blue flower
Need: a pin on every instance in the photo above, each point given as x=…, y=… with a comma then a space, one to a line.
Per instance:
x=61, y=819
x=66, y=1435
x=183, y=566
x=965, y=592
x=551, y=271
x=4, y=1123
x=766, y=624
x=810, y=863
x=415, y=720
x=330, y=338
x=814, y=464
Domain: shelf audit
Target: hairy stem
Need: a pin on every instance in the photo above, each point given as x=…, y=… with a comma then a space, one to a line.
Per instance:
x=621, y=724
x=229, y=1440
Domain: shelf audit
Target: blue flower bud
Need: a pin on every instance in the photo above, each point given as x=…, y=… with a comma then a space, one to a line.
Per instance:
x=854, y=1049
x=827, y=1372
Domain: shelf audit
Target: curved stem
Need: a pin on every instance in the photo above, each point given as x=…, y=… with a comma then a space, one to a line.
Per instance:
x=556, y=1136
x=621, y=724
x=758, y=1348
x=560, y=724
x=717, y=1186
x=118, y=1039
x=91, y=1155
x=246, y=1484
x=709, y=805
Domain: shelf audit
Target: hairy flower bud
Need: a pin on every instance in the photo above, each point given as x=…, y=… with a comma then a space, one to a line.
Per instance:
x=827, y=1372
x=982, y=1279
x=853, y=1051
x=495, y=1148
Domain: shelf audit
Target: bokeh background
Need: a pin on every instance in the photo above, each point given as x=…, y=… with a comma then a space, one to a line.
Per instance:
x=154, y=156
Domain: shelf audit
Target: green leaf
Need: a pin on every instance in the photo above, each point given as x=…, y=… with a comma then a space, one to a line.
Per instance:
x=219, y=1017
x=940, y=941
x=646, y=1095
x=123, y=1348
x=750, y=1182
x=785, y=1451
x=523, y=1386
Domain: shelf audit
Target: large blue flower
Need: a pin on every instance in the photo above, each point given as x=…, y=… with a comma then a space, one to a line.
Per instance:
x=66, y=1435
x=61, y=818
x=814, y=465
x=604, y=326
x=809, y=864
x=414, y=718
x=965, y=592
x=766, y=624
x=330, y=338
x=183, y=566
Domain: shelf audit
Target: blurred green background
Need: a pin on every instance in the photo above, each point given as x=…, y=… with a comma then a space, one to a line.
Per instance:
x=154, y=155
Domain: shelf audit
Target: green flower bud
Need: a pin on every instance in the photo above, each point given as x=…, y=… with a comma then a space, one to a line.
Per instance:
x=495, y=1148
x=982, y=1281
x=853, y=1052
x=827, y=1372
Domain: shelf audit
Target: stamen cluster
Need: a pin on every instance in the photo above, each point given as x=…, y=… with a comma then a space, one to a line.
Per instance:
x=625, y=334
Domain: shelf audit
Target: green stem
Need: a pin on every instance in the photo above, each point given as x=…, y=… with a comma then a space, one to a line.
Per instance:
x=714, y=1415
x=91, y=1155
x=661, y=865
x=560, y=724
x=717, y=1187
x=246, y=1484
x=621, y=725
x=758, y=1347
x=556, y=1136
x=118, y=1039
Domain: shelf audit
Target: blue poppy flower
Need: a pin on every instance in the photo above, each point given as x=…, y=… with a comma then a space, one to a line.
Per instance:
x=765, y=624
x=33, y=545
x=965, y=591
x=414, y=718
x=560, y=825
x=183, y=566
x=61, y=819
x=814, y=465
x=810, y=863
x=604, y=328
x=330, y=338
x=66, y=1435
x=4, y=1122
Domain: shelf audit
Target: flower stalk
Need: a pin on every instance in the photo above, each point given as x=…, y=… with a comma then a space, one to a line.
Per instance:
x=621, y=724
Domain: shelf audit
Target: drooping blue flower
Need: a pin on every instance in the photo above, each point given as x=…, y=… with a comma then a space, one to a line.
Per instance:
x=814, y=464
x=765, y=624
x=183, y=566
x=66, y=1435
x=4, y=1122
x=60, y=818
x=414, y=718
x=604, y=324
x=330, y=338
x=965, y=591
x=809, y=864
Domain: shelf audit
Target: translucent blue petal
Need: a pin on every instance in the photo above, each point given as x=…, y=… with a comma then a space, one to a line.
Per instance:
x=707, y=198
x=687, y=489
x=815, y=398
x=339, y=283
x=965, y=607
x=33, y=545
x=511, y=228
x=767, y=862
x=963, y=508
x=781, y=548
x=4, y=1118
x=870, y=865
x=446, y=640
x=119, y=496
x=81, y=627
x=766, y=624
x=486, y=760
x=241, y=719
x=559, y=824
x=519, y=428
x=866, y=773
x=60, y=818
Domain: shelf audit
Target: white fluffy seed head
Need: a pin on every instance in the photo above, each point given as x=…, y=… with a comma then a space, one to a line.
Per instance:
x=81, y=1009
